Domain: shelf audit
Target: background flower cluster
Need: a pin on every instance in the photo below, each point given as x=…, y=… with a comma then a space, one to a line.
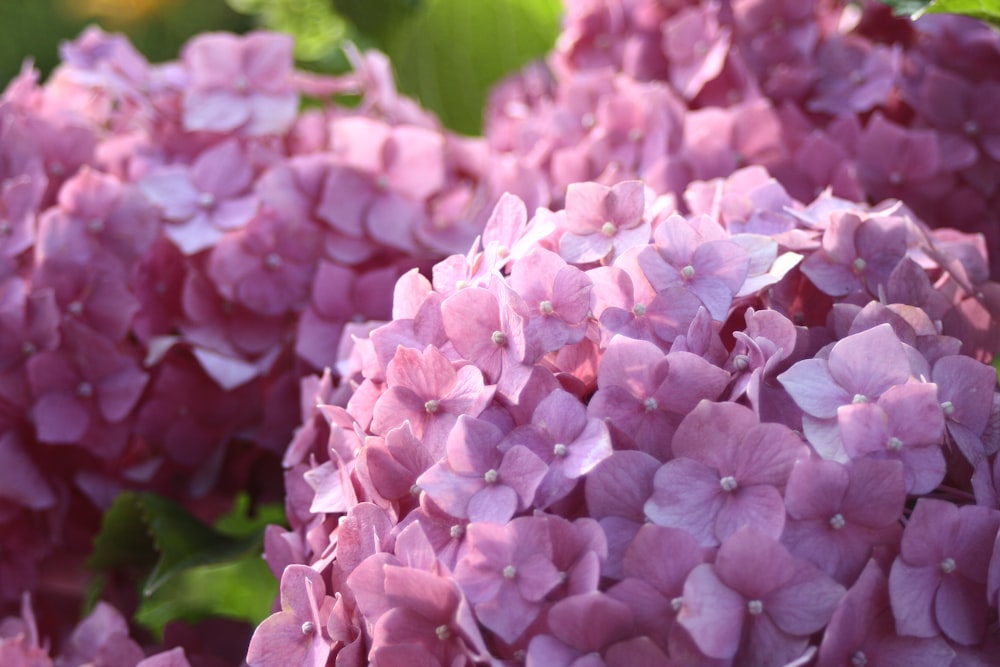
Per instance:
x=701, y=378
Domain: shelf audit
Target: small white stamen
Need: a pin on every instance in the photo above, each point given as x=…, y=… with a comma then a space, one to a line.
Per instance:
x=859, y=398
x=948, y=407
x=272, y=260
x=415, y=490
x=650, y=404
x=443, y=632
x=308, y=628
x=859, y=659
x=545, y=308
x=499, y=338
x=75, y=308
x=206, y=200
x=947, y=565
x=560, y=450
x=837, y=521
x=676, y=603
x=741, y=362
x=431, y=406
x=456, y=531
x=858, y=265
x=688, y=272
x=894, y=444
x=509, y=572
x=755, y=607
x=491, y=476
x=639, y=310
x=609, y=228
x=728, y=483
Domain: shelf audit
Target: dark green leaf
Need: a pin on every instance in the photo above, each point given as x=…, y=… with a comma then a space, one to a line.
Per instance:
x=191, y=570
x=908, y=7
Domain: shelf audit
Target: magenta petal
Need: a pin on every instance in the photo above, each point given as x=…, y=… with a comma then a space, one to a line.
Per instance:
x=60, y=418
x=813, y=388
x=119, y=393
x=961, y=610
x=712, y=613
x=687, y=495
x=495, y=504
x=912, y=591
x=759, y=507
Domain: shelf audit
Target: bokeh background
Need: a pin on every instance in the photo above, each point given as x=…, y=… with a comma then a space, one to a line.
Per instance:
x=447, y=52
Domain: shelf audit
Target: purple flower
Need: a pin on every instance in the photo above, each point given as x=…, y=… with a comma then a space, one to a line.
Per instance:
x=581, y=629
x=644, y=394
x=937, y=583
x=297, y=633
x=239, y=82
x=425, y=389
x=858, y=255
x=906, y=424
x=728, y=472
x=477, y=480
x=756, y=603
x=862, y=630
x=859, y=369
x=698, y=257
x=603, y=222
x=201, y=203
x=561, y=435
x=837, y=513
x=507, y=572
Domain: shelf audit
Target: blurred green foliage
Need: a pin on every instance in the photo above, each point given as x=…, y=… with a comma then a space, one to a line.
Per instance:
x=984, y=10
x=447, y=53
x=35, y=28
x=189, y=570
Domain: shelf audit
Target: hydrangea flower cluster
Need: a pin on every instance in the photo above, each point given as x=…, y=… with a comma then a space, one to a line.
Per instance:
x=821, y=93
x=653, y=430
x=178, y=244
x=707, y=386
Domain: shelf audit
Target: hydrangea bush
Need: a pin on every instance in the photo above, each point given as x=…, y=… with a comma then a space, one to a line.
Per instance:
x=179, y=244
x=684, y=363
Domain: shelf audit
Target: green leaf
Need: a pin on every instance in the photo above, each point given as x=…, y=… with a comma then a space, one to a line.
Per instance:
x=191, y=570
x=912, y=8
x=377, y=19
x=984, y=10
x=183, y=542
x=452, y=51
x=243, y=590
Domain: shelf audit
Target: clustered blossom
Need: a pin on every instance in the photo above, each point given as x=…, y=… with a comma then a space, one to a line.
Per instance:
x=708, y=383
x=720, y=480
x=822, y=94
x=179, y=244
